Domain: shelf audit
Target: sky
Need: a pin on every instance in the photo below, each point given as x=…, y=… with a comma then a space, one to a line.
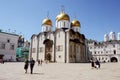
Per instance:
x=97, y=17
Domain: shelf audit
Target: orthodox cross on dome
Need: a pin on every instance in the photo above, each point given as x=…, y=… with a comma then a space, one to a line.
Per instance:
x=48, y=14
x=20, y=33
x=74, y=16
x=62, y=8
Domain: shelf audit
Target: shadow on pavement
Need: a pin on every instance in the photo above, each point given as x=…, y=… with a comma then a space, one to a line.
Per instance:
x=39, y=73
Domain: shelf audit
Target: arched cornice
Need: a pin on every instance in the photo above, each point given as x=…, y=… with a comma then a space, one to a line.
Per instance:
x=72, y=31
x=33, y=36
x=48, y=40
x=83, y=36
x=77, y=34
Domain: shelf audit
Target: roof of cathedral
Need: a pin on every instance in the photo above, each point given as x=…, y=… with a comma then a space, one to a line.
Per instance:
x=62, y=16
x=47, y=21
x=75, y=23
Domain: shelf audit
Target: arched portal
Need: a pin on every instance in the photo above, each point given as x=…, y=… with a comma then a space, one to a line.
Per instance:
x=48, y=49
x=114, y=59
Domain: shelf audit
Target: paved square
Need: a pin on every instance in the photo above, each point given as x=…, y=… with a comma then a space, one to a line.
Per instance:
x=60, y=71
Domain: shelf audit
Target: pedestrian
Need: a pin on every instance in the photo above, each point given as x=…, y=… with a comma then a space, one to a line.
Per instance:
x=38, y=62
x=41, y=61
x=92, y=63
x=26, y=65
x=32, y=63
x=97, y=64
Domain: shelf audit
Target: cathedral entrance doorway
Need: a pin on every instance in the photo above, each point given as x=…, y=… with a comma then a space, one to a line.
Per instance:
x=114, y=59
x=48, y=57
x=48, y=49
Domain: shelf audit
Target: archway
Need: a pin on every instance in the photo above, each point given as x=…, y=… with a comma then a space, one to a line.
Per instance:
x=48, y=49
x=114, y=59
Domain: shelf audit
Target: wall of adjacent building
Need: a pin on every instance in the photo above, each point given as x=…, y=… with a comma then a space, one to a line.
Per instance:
x=41, y=53
x=106, y=51
x=9, y=52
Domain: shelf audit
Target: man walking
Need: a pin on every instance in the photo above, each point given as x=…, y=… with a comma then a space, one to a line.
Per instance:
x=32, y=63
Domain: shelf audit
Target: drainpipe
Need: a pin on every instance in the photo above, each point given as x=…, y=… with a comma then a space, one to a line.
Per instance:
x=30, y=53
x=54, y=48
x=65, y=48
x=37, y=48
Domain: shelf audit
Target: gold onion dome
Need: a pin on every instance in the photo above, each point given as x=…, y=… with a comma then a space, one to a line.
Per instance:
x=75, y=23
x=20, y=37
x=47, y=21
x=62, y=16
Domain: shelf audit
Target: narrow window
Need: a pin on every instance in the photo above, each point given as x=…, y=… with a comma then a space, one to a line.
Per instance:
x=8, y=40
x=114, y=51
x=59, y=56
x=95, y=52
x=2, y=46
x=12, y=47
x=64, y=24
x=113, y=45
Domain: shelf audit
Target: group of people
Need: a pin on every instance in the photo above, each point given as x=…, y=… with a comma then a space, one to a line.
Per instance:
x=1, y=61
x=40, y=62
x=95, y=64
x=31, y=62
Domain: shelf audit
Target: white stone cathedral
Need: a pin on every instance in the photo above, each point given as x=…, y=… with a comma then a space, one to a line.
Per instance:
x=65, y=44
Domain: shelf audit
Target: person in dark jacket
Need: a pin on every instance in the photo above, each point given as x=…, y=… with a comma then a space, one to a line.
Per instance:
x=97, y=64
x=26, y=65
x=38, y=62
x=32, y=63
x=92, y=63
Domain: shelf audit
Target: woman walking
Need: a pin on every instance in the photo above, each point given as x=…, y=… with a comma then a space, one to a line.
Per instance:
x=26, y=65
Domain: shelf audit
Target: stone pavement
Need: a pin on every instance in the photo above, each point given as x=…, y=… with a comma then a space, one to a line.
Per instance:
x=60, y=71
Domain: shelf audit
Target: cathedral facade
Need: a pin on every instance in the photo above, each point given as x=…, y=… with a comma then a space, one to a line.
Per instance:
x=65, y=44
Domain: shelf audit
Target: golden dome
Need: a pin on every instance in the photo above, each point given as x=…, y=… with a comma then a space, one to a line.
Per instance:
x=62, y=16
x=20, y=37
x=47, y=21
x=75, y=23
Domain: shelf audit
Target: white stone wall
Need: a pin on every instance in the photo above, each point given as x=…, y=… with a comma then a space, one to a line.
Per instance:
x=67, y=44
x=46, y=28
x=62, y=24
x=42, y=38
x=9, y=54
x=41, y=55
x=76, y=28
x=51, y=37
x=34, y=47
x=60, y=41
x=119, y=36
